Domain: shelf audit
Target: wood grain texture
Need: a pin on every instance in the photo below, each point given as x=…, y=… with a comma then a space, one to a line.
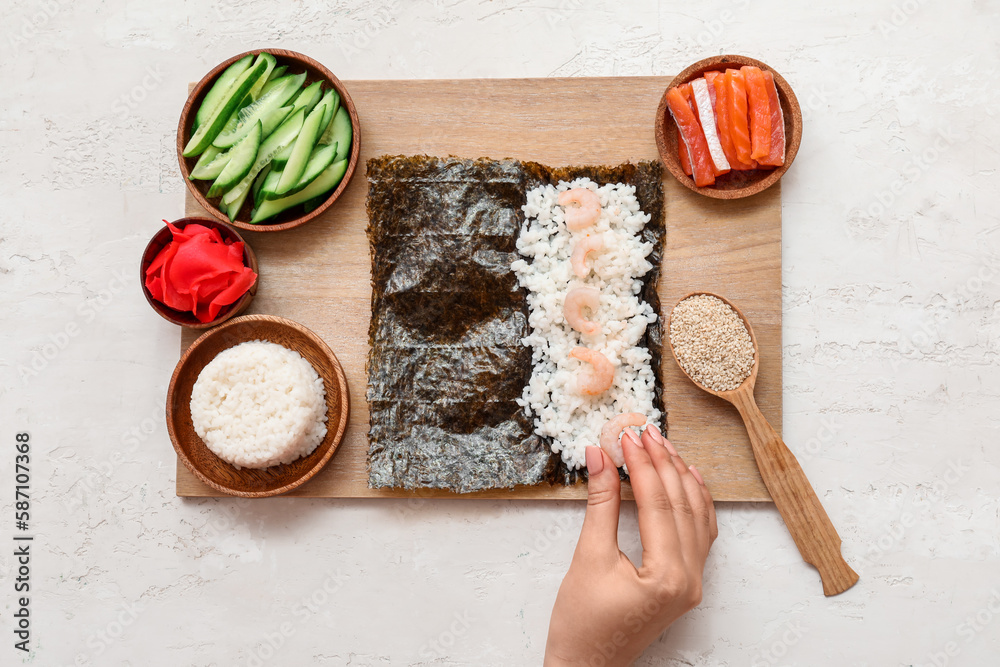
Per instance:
x=319, y=274
x=806, y=519
x=246, y=482
x=293, y=217
x=735, y=184
x=187, y=319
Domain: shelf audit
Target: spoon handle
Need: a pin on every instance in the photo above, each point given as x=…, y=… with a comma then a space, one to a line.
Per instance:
x=807, y=521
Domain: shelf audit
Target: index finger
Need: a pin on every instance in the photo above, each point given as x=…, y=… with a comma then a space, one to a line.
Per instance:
x=657, y=529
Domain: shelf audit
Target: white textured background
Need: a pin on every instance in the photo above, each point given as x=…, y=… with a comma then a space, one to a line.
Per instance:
x=892, y=339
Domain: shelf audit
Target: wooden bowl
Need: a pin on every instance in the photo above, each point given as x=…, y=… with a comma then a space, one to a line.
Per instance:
x=293, y=217
x=186, y=318
x=735, y=184
x=247, y=482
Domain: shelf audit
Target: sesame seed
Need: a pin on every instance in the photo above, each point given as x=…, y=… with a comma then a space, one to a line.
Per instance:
x=711, y=342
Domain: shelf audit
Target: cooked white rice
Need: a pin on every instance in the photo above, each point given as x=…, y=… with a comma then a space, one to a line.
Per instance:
x=574, y=421
x=259, y=404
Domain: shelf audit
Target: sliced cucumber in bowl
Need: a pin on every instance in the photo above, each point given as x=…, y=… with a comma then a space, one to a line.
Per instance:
x=243, y=156
x=283, y=136
x=321, y=158
x=269, y=62
x=266, y=107
x=207, y=131
x=265, y=133
x=303, y=147
x=209, y=165
x=342, y=133
x=321, y=185
x=219, y=89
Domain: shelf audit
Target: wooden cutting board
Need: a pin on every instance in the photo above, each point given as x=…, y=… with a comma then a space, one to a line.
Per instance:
x=319, y=274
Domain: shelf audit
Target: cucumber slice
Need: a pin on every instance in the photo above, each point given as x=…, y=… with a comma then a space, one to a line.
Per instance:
x=270, y=61
x=342, y=133
x=244, y=154
x=219, y=89
x=309, y=97
x=210, y=154
x=283, y=136
x=313, y=204
x=280, y=81
x=233, y=209
x=257, y=111
x=304, y=143
x=258, y=183
x=210, y=129
x=276, y=74
x=270, y=185
x=327, y=137
x=329, y=101
x=321, y=158
x=211, y=169
x=274, y=119
x=281, y=159
x=320, y=186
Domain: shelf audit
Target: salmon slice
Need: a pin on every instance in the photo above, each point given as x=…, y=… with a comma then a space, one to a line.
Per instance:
x=776, y=157
x=685, y=89
x=759, y=112
x=710, y=77
x=693, y=137
x=722, y=120
x=739, y=125
x=684, y=153
x=706, y=113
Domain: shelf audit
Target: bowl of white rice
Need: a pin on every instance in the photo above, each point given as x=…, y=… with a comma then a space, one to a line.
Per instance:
x=257, y=406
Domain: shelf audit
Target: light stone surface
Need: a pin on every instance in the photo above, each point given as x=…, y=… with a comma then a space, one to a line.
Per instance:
x=892, y=342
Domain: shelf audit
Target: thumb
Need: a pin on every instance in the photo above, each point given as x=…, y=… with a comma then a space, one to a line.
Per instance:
x=599, y=535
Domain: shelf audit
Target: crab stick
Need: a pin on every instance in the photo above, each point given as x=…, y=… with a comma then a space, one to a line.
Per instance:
x=706, y=113
x=759, y=108
x=776, y=156
x=694, y=138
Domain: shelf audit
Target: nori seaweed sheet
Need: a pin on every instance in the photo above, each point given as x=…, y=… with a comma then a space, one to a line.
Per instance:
x=446, y=361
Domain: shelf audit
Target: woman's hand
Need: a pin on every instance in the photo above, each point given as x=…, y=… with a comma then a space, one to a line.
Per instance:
x=607, y=610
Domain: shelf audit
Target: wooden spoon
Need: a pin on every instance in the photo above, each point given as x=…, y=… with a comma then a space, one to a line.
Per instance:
x=810, y=527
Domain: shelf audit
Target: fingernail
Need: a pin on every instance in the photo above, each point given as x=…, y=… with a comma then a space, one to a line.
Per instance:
x=697, y=475
x=595, y=460
x=670, y=448
x=633, y=438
